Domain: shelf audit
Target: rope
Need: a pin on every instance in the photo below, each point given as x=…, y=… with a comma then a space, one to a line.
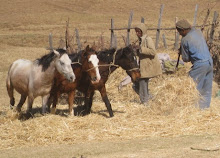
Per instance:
x=76, y=63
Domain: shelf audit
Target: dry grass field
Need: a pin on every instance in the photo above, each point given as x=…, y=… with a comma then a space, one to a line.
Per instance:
x=171, y=126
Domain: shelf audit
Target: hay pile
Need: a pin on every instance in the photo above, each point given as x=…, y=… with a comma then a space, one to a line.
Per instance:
x=171, y=112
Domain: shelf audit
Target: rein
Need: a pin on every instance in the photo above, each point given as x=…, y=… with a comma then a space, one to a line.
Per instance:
x=111, y=64
x=133, y=69
x=76, y=63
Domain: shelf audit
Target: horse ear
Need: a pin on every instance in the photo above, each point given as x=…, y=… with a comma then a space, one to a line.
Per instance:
x=94, y=47
x=56, y=53
x=87, y=48
x=85, y=51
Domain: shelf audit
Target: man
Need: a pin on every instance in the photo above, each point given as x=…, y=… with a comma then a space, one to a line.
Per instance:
x=195, y=50
x=149, y=63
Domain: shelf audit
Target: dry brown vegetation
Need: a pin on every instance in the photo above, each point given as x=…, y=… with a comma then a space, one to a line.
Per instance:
x=24, y=29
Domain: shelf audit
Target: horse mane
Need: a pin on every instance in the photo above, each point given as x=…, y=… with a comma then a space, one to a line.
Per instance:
x=48, y=58
x=106, y=55
x=74, y=57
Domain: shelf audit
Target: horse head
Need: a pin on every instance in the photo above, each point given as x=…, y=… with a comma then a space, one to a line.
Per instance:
x=126, y=58
x=63, y=66
x=90, y=64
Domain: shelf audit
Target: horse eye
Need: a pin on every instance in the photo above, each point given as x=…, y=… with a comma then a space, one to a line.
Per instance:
x=61, y=63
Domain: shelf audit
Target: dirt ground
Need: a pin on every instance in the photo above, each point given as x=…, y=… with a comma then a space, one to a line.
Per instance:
x=24, y=29
x=178, y=147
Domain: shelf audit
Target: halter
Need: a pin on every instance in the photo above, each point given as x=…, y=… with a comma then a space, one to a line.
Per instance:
x=113, y=64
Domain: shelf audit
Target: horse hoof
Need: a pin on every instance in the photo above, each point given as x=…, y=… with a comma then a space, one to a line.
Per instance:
x=53, y=111
x=18, y=109
x=11, y=107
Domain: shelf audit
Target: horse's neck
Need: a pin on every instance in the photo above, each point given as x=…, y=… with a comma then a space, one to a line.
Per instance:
x=49, y=73
x=107, y=68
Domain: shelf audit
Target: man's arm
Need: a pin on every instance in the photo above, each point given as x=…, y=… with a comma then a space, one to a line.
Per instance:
x=148, y=48
x=185, y=52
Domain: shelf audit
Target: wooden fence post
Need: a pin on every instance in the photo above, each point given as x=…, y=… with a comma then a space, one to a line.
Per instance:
x=115, y=42
x=112, y=33
x=142, y=20
x=102, y=42
x=158, y=27
x=164, y=41
x=51, y=41
x=78, y=41
x=213, y=27
x=176, y=45
x=128, y=30
x=177, y=41
x=195, y=15
x=205, y=20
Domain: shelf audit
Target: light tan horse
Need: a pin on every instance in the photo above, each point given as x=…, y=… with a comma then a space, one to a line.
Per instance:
x=33, y=79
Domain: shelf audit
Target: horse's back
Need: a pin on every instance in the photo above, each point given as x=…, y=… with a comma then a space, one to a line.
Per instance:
x=18, y=75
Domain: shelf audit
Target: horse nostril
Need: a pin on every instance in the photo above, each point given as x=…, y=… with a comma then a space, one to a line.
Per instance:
x=94, y=78
x=71, y=77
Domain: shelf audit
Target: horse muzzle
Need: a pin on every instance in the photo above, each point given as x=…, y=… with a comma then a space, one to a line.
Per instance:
x=135, y=75
x=94, y=80
x=71, y=78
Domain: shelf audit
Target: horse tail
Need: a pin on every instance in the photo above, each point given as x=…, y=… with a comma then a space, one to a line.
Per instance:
x=10, y=87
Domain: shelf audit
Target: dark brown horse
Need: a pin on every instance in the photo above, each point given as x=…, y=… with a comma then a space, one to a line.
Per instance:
x=84, y=63
x=109, y=61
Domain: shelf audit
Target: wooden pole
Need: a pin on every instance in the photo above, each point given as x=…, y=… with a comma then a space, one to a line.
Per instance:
x=205, y=20
x=142, y=20
x=164, y=41
x=176, y=45
x=158, y=27
x=128, y=30
x=78, y=41
x=115, y=42
x=102, y=42
x=195, y=15
x=213, y=27
x=51, y=41
x=112, y=33
x=168, y=28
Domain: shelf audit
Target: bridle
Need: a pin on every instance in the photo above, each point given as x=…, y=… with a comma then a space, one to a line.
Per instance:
x=78, y=62
x=113, y=63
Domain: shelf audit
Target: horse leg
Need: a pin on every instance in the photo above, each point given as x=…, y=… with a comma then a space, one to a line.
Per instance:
x=88, y=100
x=30, y=103
x=55, y=100
x=106, y=100
x=71, y=96
x=49, y=102
x=10, y=90
x=44, y=103
x=21, y=102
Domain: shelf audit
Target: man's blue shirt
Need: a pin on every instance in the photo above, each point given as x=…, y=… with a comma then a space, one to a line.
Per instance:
x=194, y=47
